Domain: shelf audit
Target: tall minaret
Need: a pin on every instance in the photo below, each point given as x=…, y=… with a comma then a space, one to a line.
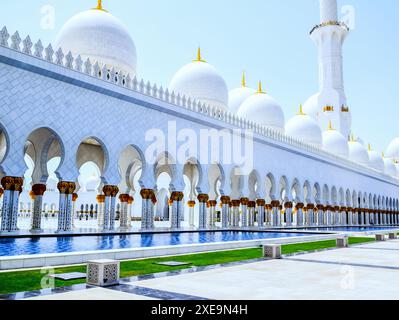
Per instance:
x=329, y=37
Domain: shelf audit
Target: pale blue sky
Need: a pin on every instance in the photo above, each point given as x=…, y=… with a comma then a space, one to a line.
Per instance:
x=266, y=38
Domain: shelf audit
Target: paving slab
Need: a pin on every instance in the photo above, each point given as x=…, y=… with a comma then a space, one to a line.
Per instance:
x=360, y=273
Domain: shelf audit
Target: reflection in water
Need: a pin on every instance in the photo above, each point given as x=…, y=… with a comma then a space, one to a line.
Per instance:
x=46, y=245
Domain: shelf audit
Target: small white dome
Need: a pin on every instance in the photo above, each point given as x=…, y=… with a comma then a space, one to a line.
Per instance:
x=263, y=109
x=311, y=106
x=335, y=143
x=304, y=128
x=239, y=95
x=375, y=160
x=358, y=153
x=393, y=149
x=201, y=81
x=390, y=167
x=99, y=36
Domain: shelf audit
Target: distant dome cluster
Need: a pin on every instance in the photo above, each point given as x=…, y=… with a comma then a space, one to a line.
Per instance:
x=97, y=35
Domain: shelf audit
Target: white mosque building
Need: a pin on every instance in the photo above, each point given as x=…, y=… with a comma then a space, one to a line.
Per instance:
x=73, y=123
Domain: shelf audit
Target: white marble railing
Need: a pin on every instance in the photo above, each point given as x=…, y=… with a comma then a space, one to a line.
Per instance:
x=99, y=71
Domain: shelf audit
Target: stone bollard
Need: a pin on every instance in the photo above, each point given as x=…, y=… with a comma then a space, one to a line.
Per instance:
x=380, y=237
x=343, y=242
x=103, y=273
x=272, y=251
x=392, y=236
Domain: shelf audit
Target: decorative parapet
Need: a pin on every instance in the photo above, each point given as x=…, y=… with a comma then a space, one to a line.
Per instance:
x=330, y=23
x=103, y=72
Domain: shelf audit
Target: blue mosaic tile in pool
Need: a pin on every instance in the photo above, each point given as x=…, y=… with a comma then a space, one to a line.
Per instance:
x=31, y=246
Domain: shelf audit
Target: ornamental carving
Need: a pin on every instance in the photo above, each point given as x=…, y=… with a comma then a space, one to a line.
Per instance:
x=244, y=201
x=146, y=194
x=251, y=204
x=131, y=200
x=110, y=191
x=310, y=206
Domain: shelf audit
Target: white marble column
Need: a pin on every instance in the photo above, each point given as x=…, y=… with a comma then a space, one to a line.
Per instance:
x=288, y=213
x=260, y=207
x=203, y=200
x=12, y=189
x=38, y=191
x=300, y=219
x=251, y=213
x=66, y=190
x=276, y=214
x=320, y=215
x=177, y=209
x=225, y=211
x=100, y=212
x=191, y=206
x=244, y=211
x=124, y=200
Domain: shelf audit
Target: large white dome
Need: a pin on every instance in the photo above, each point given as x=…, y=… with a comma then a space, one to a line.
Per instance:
x=99, y=36
x=393, y=149
x=239, y=95
x=263, y=109
x=390, y=167
x=304, y=128
x=375, y=160
x=358, y=153
x=201, y=81
x=335, y=143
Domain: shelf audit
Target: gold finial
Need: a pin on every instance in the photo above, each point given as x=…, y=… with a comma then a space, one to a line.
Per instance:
x=383, y=155
x=243, y=80
x=199, y=57
x=330, y=126
x=352, y=138
x=301, y=113
x=100, y=6
x=369, y=147
x=260, y=90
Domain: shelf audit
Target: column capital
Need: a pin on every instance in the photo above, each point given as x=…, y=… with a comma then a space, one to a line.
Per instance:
x=320, y=207
x=203, y=198
x=225, y=200
x=244, y=201
x=191, y=203
x=212, y=203
x=299, y=206
x=260, y=202
x=32, y=195
x=235, y=203
x=12, y=183
x=131, y=200
x=66, y=187
x=343, y=209
x=110, y=191
x=177, y=196
x=310, y=206
x=75, y=197
x=39, y=189
x=100, y=198
x=1, y=192
x=124, y=198
x=288, y=205
x=146, y=194
x=251, y=204
x=275, y=203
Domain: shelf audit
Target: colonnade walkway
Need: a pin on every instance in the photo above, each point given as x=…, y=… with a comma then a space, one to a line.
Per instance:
x=360, y=272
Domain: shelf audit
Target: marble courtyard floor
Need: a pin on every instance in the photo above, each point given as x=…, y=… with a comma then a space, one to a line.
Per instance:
x=368, y=271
